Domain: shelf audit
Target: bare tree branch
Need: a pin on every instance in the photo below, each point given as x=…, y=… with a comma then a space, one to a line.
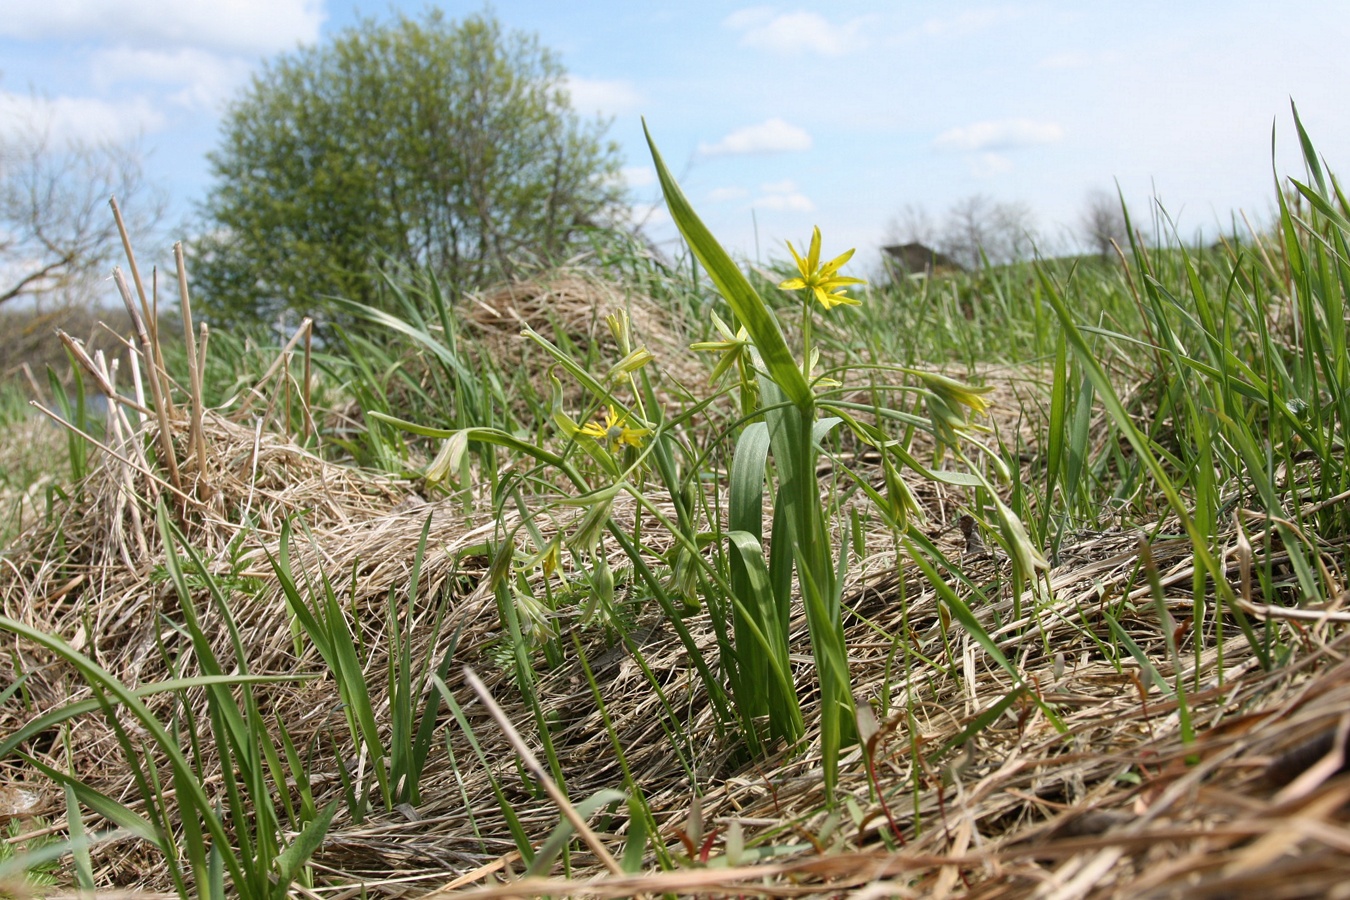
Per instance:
x=979, y=228
x=1102, y=223
x=55, y=231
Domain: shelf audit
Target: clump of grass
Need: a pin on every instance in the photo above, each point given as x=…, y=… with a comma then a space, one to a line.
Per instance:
x=31, y=469
x=787, y=414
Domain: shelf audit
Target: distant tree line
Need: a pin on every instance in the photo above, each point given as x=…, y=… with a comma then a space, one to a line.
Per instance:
x=979, y=229
x=974, y=230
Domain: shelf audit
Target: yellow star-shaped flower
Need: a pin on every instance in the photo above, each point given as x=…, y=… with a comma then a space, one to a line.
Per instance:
x=822, y=280
x=615, y=430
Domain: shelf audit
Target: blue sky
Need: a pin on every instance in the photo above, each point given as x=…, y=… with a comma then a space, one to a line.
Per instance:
x=778, y=117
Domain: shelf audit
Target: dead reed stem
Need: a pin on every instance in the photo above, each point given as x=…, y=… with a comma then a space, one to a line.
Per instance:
x=196, y=435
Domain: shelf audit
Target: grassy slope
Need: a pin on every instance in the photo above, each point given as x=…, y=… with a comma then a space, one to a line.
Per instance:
x=1189, y=404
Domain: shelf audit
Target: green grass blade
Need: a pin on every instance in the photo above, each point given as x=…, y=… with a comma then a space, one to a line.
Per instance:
x=101, y=804
x=79, y=843
x=762, y=645
x=79, y=708
x=962, y=613
x=745, y=514
x=523, y=843
x=191, y=795
x=1144, y=450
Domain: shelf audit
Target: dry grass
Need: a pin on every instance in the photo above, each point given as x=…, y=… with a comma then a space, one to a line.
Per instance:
x=1116, y=806
x=568, y=307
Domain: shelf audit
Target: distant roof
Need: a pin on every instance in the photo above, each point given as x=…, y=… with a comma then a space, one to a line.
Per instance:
x=915, y=257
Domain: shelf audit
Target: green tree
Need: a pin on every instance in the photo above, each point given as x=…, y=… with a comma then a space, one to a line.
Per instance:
x=415, y=142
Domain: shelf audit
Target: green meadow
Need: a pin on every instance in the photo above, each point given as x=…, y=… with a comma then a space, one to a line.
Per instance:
x=667, y=574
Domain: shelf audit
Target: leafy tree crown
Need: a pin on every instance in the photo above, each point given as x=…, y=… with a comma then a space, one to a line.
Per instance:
x=420, y=143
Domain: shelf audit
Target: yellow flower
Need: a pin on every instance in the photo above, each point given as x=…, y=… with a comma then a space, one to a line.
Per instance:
x=821, y=280
x=950, y=405
x=615, y=430
x=955, y=393
x=731, y=346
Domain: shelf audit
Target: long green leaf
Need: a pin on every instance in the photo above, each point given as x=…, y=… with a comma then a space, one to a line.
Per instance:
x=562, y=832
x=101, y=804
x=962, y=613
x=508, y=811
x=745, y=514
x=293, y=859
x=734, y=286
x=762, y=644
x=79, y=708
x=191, y=795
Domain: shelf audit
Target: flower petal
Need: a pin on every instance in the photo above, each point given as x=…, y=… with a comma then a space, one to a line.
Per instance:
x=801, y=263
x=834, y=265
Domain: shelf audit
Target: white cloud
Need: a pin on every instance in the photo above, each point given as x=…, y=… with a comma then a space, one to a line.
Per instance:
x=1070, y=60
x=999, y=135
x=595, y=96
x=783, y=196
x=794, y=32
x=791, y=202
x=206, y=79
x=970, y=21
x=649, y=214
x=771, y=136
x=234, y=26
x=727, y=194
x=1078, y=60
x=71, y=119
x=750, y=17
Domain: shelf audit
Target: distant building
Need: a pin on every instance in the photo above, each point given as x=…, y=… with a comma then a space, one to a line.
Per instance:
x=916, y=259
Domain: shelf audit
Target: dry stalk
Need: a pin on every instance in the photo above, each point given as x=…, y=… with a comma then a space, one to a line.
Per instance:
x=122, y=434
x=138, y=385
x=157, y=390
x=178, y=492
x=304, y=396
x=149, y=315
x=306, y=326
x=76, y=348
x=196, y=435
